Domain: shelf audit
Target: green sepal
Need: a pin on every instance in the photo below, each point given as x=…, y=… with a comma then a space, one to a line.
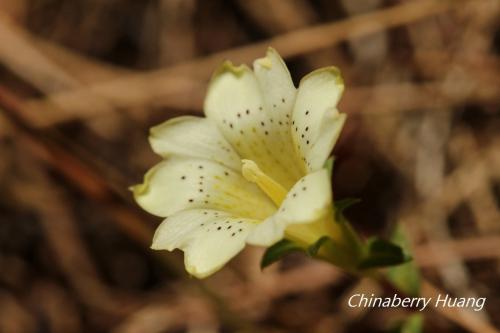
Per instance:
x=313, y=249
x=342, y=204
x=329, y=165
x=350, y=237
x=346, y=250
x=278, y=251
x=382, y=253
x=405, y=277
x=335, y=253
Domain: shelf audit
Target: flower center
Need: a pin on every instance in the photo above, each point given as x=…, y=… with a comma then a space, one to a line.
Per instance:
x=269, y=186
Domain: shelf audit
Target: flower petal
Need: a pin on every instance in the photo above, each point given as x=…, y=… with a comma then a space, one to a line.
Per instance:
x=194, y=137
x=276, y=84
x=255, y=129
x=209, y=238
x=316, y=121
x=330, y=129
x=279, y=95
x=268, y=232
x=309, y=200
x=187, y=183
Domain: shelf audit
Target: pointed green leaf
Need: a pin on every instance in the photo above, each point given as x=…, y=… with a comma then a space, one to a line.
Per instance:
x=277, y=251
x=405, y=277
x=382, y=253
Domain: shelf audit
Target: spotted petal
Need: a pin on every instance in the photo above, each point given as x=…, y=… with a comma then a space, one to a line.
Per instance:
x=276, y=85
x=316, y=121
x=309, y=201
x=187, y=183
x=193, y=137
x=279, y=95
x=255, y=128
x=209, y=238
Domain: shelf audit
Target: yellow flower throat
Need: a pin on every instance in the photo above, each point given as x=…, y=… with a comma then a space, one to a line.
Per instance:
x=269, y=186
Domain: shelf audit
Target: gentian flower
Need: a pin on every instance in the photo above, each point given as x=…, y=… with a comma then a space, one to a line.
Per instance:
x=250, y=172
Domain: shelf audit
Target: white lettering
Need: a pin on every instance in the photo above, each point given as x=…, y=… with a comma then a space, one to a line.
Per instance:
x=350, y=299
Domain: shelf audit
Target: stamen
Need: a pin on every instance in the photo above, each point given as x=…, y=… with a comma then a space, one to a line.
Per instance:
x=252, y=173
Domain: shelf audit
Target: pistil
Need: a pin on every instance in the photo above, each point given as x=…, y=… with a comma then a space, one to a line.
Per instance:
x=254, y=174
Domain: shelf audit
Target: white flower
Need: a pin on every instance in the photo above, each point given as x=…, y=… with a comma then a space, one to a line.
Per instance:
x=251, y=172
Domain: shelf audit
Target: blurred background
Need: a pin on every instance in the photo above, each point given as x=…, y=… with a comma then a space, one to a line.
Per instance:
x=82, y=81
